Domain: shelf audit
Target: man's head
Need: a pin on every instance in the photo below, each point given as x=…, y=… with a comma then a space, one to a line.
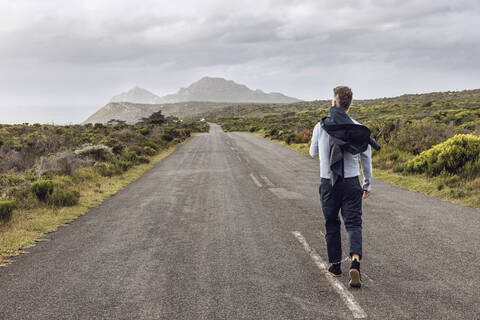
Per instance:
x=342, y=97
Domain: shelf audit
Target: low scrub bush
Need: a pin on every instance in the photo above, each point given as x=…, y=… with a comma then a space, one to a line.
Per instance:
x=63, y=198
x=42, y=189
x=143, y=159
x=130, y=156
x=116, y=146
x=450, y=156
x=419, y=136
x=104, y=169
x=6, y=210
x=303, y=137
x=64, y=163
x=122, y=166
x=149, y=151
x=96, y=152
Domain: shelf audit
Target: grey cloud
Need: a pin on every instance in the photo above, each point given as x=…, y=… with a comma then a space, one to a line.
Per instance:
x=291, y=46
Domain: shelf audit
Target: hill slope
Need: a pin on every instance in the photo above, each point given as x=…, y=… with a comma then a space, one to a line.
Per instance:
x=133, y=112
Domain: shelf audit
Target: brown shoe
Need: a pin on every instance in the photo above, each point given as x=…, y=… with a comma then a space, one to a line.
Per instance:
x=355, y=276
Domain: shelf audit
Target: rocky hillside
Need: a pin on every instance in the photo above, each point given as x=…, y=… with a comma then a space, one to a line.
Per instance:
x=133, y=112
x=125, y=111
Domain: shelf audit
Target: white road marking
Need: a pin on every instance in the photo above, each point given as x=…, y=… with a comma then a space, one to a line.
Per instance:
x=255, y=180
x=267, y=181
x=347, y=297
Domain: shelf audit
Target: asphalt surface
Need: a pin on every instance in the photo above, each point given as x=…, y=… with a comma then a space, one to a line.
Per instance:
x=207, y=234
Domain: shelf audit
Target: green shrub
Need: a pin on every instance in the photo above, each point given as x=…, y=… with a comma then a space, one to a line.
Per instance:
x=41, y=189
x=130, y=156
x=63, y=198
x=144, y=131
x=143, y=159
x=149, y=151
x=123, y=165
x=116, y=145
x=106, y=170
x=450, y=156
x=6, y=209
x=136, y=149
x=273, y=132
x=289, y=138
x=167, y=137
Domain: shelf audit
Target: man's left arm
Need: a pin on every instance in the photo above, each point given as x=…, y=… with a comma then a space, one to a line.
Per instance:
x=366, y=162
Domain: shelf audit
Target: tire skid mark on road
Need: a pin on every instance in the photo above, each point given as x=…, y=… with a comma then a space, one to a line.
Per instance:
x=347, y=297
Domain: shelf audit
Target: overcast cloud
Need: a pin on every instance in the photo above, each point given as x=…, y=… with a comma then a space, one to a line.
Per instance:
x=72, y=54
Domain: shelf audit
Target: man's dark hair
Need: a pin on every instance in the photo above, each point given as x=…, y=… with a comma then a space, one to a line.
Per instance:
x=343, y=95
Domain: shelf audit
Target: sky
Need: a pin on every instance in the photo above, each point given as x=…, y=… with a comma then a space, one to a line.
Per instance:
x=62, y=60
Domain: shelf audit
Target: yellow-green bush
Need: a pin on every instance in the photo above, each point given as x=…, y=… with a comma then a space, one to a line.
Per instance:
x=450, y=156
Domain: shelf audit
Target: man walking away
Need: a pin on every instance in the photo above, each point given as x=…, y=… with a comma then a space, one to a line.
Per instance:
x=338, y=140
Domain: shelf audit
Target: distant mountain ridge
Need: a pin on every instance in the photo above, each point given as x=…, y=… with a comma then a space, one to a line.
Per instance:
x=204, y=95
x=221, y=90
x=206, y=89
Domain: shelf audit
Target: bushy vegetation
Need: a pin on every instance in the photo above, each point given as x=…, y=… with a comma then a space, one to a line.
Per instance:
x=452, y=157
x=63, y=198
x=41, y=165
x=6, y=209
x=42, y=189
x=429, y=135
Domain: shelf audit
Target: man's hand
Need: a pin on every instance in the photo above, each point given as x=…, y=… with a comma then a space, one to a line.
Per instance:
x=366, y=194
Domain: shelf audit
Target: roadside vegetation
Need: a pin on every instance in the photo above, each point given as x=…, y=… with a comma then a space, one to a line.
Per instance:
x=49, y=174
x=430, y=143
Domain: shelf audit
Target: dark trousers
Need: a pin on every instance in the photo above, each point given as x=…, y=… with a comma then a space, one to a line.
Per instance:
x=345, y=196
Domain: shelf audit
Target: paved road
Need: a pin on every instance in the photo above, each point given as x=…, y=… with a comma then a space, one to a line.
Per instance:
x=207, y=234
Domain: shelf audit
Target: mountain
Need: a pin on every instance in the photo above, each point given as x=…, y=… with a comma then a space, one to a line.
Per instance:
x=137, y=95
x=205, y=89
x=202, y=96
x=222, y=90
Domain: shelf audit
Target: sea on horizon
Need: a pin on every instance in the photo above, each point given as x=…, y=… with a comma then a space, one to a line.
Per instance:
x=58, y=115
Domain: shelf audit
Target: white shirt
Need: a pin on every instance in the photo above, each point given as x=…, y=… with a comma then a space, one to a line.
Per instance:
x=320, y=146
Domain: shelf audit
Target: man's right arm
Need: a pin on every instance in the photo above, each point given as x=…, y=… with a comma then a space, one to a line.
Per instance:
x=366, y=163
x=314, y=142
